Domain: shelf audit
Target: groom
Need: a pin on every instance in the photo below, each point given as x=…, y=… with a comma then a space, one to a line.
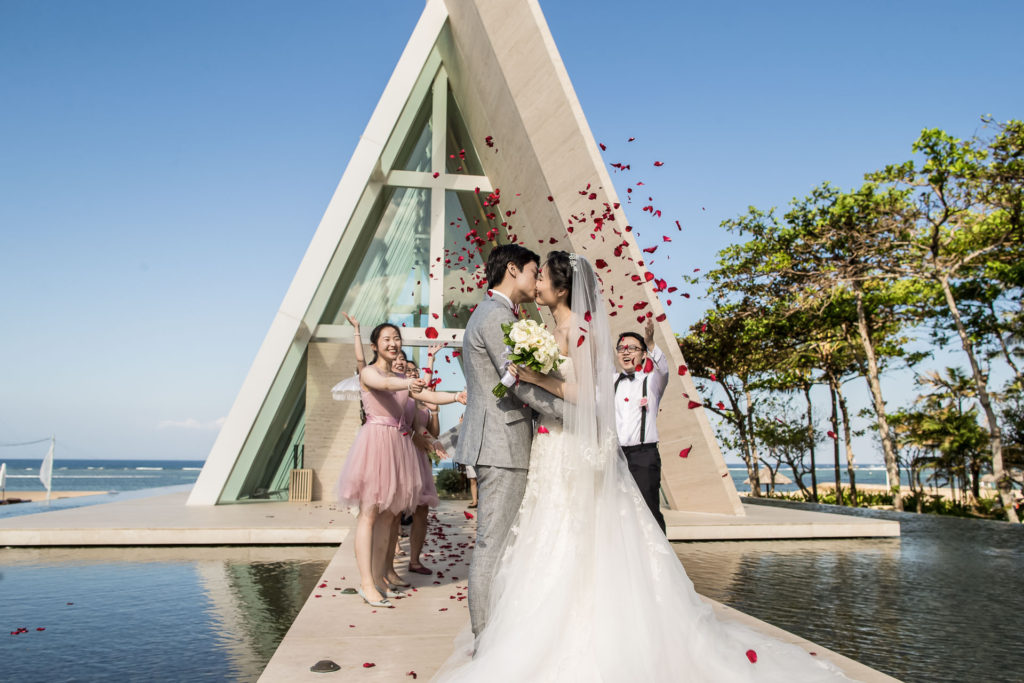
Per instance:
x=497, y=434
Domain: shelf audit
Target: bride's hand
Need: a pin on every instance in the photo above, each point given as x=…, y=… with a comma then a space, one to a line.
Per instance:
x=525, y=374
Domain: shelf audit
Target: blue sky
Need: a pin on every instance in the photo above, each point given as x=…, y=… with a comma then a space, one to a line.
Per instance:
x=164, y=165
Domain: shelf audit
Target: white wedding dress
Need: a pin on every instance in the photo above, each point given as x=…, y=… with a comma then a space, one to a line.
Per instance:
x=588, y=588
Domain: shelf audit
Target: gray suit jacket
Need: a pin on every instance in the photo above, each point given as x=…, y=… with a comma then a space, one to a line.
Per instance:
x=496, y=432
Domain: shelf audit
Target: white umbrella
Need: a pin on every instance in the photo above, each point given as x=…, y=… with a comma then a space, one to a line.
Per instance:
x=3, y=481
x=779, y=478
x=347, y=389
x=46, y=469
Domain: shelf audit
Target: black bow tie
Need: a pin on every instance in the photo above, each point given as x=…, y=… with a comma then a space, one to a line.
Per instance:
x=627, y=375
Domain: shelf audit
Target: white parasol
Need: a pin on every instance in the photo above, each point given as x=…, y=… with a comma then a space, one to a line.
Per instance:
x=347, y=389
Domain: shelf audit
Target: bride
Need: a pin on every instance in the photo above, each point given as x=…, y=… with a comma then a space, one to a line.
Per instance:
x=588, y=588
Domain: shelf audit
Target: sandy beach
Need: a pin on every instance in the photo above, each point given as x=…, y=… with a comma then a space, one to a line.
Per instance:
x=33, y=496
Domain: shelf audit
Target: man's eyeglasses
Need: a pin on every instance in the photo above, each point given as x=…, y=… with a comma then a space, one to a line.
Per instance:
x=628, y=349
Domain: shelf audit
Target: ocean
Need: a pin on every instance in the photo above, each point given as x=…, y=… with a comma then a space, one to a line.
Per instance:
x=133, y=475
x=102, y=475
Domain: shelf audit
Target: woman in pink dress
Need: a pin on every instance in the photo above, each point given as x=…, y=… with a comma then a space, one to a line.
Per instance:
x=382, y=476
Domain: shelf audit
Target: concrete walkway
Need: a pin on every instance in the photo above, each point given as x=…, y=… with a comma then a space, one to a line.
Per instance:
x=416, y=635
x=166, y=520
x=763, y=522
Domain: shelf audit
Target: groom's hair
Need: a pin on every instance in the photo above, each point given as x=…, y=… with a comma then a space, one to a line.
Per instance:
x=501, y=256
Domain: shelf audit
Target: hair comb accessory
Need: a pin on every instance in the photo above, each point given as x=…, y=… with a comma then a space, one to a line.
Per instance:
x=573, y=260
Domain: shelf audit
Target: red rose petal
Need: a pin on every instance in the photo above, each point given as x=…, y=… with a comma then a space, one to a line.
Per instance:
x=682, y=369
x=368, y=665
x=600, y=263
x=542, y=430
x=693, y=404
x=469, y=515
x=431, y=333
x=580, y=341
x=685, y=453
x=648, y=365
x=752, y=656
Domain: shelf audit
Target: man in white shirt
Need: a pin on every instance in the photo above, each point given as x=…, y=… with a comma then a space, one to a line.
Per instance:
x=639, y=387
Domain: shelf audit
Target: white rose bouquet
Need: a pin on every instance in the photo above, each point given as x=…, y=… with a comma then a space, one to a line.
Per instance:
x=529, y=344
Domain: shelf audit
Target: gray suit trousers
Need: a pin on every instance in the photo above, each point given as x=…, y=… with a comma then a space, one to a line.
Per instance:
x=500, y=491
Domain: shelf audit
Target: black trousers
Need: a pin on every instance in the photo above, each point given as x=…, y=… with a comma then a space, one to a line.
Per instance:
x=645, y=466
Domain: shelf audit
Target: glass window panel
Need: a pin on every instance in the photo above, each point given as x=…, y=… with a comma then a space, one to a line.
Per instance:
x=392, y=282
x=461, y=155
x=469, y=236
x=262, y=473
x=415, y=154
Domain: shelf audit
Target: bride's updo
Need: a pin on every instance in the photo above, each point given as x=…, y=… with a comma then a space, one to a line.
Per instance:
x=560, y=272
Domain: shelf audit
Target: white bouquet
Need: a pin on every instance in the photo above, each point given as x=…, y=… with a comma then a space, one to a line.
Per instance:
x=529, y=344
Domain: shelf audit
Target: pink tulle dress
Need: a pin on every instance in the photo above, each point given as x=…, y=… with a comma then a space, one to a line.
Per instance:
x=383, y=467
x=419, y=417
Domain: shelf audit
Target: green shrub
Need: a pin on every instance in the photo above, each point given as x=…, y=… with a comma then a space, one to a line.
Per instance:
x=450, y=482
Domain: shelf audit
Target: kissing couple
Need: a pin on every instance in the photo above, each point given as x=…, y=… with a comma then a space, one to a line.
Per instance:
x=571, y=578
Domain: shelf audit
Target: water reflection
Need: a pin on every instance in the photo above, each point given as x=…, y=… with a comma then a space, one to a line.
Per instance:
x=943, y=602
x=162, y=614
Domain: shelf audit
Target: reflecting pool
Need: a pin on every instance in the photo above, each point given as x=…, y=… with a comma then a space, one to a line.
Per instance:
x=153, y=614
x=942, y=603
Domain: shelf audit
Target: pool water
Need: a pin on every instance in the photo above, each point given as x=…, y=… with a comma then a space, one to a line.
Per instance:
x=150, y=614
x=944, y=602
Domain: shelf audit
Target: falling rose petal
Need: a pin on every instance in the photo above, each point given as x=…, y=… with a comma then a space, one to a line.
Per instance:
x=469, y=515
x=752, y=656
x=580, y=341
x=436, y=173
x=601, y=145
x=631, y=140
x=693, y=404
x=431, y=333
x=720, y=405
x=659, y=163
x=660, y=317
x=831, y=434
x=368, y=665
x=411, y=673
x=550, y=198
x=714, y=377
x=542, y=430
x=648, y=365
x=685, y=453
x=600, y=263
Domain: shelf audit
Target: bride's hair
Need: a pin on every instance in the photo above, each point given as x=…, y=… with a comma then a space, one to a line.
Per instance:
x=560, y=272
